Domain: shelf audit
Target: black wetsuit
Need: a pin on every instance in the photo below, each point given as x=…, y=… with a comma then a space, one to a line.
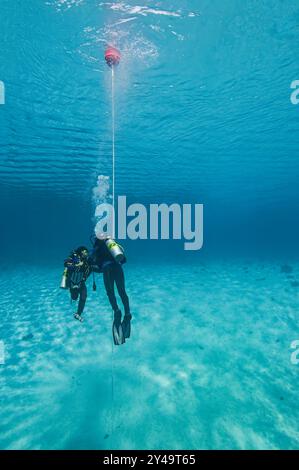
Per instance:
x=76, y=279
x=113, y=274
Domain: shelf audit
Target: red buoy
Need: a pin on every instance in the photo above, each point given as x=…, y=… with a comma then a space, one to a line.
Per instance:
x=112, y=56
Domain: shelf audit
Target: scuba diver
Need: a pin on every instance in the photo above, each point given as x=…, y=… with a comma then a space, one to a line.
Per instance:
x=77, y=269
x=109, y=256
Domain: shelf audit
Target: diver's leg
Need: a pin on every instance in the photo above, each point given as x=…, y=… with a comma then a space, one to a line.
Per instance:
x=74, y=293
x=120, y=284
x=82, y=298
x=109, y=286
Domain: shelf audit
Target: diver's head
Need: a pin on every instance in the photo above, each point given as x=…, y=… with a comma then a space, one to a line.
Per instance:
x=102, y=236
x=82, y=252
x=100, y=239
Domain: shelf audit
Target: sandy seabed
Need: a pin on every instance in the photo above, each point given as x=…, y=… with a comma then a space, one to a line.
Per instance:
x=208, y=364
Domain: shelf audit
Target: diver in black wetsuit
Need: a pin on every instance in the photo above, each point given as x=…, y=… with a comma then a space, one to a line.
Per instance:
x=113, y=274
x=79, y=268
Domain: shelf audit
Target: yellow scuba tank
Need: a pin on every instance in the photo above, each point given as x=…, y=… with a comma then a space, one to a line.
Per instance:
x=64, y=284
x=115, y=249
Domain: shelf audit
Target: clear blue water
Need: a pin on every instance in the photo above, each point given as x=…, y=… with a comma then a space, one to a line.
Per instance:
x=203, y=114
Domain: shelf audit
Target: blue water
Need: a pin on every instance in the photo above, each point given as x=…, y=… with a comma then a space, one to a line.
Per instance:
x=203, y=115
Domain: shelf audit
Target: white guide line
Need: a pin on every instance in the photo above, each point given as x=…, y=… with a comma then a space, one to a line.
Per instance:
x=113, y=146
x=113, y=235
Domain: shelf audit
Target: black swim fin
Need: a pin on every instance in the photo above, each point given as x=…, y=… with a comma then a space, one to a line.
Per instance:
x=117, y=330
x=118, y=334
x=126, y=325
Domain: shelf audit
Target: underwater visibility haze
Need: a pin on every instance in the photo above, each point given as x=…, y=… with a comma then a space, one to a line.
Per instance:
x=204, y=113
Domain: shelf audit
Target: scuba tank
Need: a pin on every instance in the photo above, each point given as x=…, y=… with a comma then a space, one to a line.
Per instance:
x=115, y=249
x=64, y=283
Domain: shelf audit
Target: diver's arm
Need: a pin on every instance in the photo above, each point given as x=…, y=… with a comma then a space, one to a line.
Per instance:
x=68, y=263
x=71, y=264
x=93, y=264
x=96, y=269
